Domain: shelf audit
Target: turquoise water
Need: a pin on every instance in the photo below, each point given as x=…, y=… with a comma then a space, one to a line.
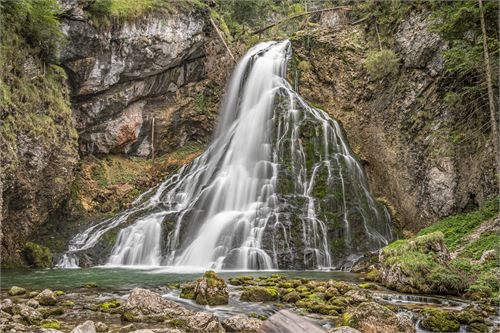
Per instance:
x=125, y=278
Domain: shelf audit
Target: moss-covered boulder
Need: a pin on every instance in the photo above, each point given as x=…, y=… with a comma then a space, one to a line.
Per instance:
x=259, y=294
x=436, y=320
x=211, y=290
x=187, y=290
x=37, y=256
x=370, y=317
x=16, y=291
x=420, y=265
x=46, y=297
x=291, y=297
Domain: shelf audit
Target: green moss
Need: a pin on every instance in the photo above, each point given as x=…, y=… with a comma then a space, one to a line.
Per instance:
x=440, y=321
x=485, y=242
x=456, y=227
x=51, y=324
x=259, y=294
x=59, y=293
x=111, y=304
x=37, y=256
x=381, y=63
x=178, y=322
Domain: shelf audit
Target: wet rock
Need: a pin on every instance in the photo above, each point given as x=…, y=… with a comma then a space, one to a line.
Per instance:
x=51, y=324
x=211, y=290
x=343, y=329
x=204, y=322
x=33, y=294
x=33, y=303
x=242, y=323
x=440, y=321
x=144, y=304
x=86, y=327
x=370, y=317
x=46, y=297
x=101, y=327
x=15, y=291
x=259, y=294
x=358, y=296
x=28, y=314
x=6, y=305
x=51, y=311
x=291, y=297
x=187, y=290
x=48, y=330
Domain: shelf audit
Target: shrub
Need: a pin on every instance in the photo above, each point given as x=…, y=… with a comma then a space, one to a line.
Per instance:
x=380, y=64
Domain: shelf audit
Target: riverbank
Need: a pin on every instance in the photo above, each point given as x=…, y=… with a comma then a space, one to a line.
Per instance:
x=111, y=300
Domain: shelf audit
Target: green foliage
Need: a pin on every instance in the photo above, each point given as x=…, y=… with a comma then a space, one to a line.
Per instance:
x=458, y=22
x=37, y=256
x=380, y=64
x=36, y=22
x=489, y=241
x=454, y=228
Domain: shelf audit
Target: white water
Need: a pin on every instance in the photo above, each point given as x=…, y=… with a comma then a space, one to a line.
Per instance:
x=225, y=204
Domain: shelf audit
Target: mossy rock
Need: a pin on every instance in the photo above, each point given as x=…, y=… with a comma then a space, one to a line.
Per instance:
x=291, y=297
x=440, y=321
x=259, y=294
x=16, y=291
x=50, y=324
x=37, y=256
x=52, y=311
x=477, y=327
x=188, y=290
x=111, y=304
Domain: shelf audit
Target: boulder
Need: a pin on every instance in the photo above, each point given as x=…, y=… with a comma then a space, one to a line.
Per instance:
x=259, y=294
x=15, y=291
x=291, y=297
x=28, y=314
x=242, y=323
x=101, y=327
x=6, y=305
x=287, y=321
x=145, y=305
x=37, y=256
x=33, y=303
x=440, y=321
x=46, y=297
x=358, y=296
x=211, y=290
x=86, y=327
x=187, y=290
x=370, y=317
x=204, y=322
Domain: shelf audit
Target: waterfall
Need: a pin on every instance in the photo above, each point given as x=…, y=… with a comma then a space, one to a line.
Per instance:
x=277, y=188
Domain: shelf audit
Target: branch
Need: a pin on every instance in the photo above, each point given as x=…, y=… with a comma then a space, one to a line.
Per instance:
x=299, y=15
x=222, y=38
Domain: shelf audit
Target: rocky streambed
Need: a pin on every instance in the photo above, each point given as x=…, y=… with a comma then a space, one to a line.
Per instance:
x=244, y=303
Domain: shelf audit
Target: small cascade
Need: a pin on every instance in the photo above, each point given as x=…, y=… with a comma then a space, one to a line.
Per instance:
x=277, y=188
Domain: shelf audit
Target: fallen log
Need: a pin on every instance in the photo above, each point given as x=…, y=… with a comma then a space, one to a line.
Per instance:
x=299, y=15
x=285, y=321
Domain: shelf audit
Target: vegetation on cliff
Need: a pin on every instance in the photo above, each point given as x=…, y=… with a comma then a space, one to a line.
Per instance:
x=424, y=264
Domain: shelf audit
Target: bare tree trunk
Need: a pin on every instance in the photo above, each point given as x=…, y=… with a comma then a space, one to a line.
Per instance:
x=491, y=98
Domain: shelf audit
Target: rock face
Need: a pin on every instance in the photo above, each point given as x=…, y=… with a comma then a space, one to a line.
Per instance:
x=145, y=305
x=124, y=75
x=399, y=126
x=370, y=317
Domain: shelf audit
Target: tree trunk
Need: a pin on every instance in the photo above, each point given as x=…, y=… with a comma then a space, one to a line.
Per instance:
x=491, y=99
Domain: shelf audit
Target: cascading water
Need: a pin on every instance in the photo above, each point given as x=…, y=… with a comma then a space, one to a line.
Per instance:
x=277, y=188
